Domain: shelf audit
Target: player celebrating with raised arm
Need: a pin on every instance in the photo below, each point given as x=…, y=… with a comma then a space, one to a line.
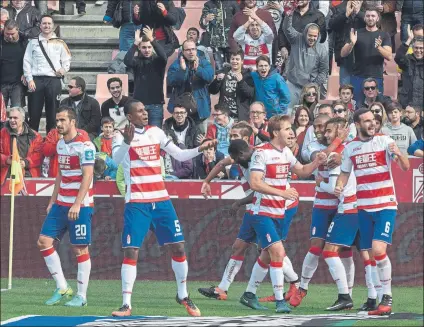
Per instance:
x=147, y=201
x=70, y=208
x=269, y=169
x=369, y=156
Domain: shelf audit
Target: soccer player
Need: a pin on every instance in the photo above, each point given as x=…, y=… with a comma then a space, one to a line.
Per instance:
x=269, y=171
x=370, y=156
x=70, y=208
x=147, y=201
x=324, y=207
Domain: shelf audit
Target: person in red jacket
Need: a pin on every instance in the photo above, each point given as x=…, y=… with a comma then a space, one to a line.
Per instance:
x=29, y=144
x=50, y=153
x=258, y=123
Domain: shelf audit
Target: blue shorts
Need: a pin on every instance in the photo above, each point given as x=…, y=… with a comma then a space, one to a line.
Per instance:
x=343, y=229
x=160, y=217
x=283, y=225
x=261, y=229
x=57, y=223
x=321, y=220
x=377, y=225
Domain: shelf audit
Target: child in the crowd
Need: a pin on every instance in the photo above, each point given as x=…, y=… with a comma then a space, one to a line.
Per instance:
x=103, y=142
x=104, y=167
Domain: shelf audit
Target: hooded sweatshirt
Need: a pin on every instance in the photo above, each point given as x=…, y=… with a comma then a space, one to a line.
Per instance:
x=403, y=135
x=307, y=64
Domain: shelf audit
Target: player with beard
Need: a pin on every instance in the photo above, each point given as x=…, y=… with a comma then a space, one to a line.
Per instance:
x=242, y=131
x=371, y=46
x=369, y=156
x=148, y=205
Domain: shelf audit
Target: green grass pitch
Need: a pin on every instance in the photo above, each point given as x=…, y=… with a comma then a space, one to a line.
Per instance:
x=158, y=298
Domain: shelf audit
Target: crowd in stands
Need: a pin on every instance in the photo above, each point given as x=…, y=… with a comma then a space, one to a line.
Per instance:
x=260, y=58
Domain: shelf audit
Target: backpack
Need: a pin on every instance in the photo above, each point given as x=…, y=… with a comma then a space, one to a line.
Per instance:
x=180, y=18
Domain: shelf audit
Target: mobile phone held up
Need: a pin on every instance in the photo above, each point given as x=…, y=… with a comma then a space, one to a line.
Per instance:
x=289, y=6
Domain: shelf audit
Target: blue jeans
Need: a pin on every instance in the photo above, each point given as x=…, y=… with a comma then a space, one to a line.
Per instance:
x=345, y=74
x=155, y=114
x=405, y=21
x=126, y=36
x=358, y=92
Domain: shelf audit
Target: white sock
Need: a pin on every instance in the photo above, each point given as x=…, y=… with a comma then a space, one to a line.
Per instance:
x=51, y=257
x=233, y=267
x=180, y=268
x=259, y=272
x=376, y=280
x=83, y=276
x=349, y=266
x=337, y=270
x=277, y=279
x=310, y=265
x=288, y=270
x=372, y=293
x=128, y=275
x=384, y=268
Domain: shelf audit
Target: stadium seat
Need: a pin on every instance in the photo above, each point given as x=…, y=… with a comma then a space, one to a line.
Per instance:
x=334, y=68
x=390, y=67
x=333, y=87
x=391, y=86
x=102, y=92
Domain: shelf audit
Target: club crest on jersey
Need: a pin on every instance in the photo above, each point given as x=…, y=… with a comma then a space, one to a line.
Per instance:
x=89, y=154
x=257, y=158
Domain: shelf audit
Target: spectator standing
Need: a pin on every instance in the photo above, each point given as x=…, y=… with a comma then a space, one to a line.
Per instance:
x=372, y=94
x=235, y=87
x=309, y=98
x=347, y=15
x=160, y=16
x=12, y=79
x=42, y=6
x=80, y=5
x=149, y=73
x=27, y=17
x=216, y=19
x=308, y=61
x=258, y=123
x=403, y=135
x=114, y=107
x=29, y=144
x=346, y=96
x=388, y=22
x=255, y=38
x=87, y=109
x=206, y=161
x=193, y=74
x=103, y=142
x=44, y=80
x=181, y=127
x=370, y=46
x=50, y=166
x=270, y=88
x=193, y=34
x=417, y=149
x=413, y=118
x=240, y=18
x=412, y=66
x=127, y=27
x=220, y=129
x=412, y=14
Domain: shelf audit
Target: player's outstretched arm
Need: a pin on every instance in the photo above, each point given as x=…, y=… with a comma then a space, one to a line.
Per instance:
x=187, y=154
x=53, y=198
x=304, y=171
x=219, y=167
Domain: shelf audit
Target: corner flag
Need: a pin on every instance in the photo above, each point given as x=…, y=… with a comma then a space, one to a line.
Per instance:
x=16, y=176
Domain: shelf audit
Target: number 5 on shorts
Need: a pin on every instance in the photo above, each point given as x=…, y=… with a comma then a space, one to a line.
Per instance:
x=177, y=226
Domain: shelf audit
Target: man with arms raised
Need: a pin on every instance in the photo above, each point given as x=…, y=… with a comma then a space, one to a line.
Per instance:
x=147, y=202
x=369, y=155
x=70, y=208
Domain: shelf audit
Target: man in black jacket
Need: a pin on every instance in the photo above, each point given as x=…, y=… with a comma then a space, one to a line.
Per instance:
x=347, y=15
x=86, y=107
x=149, y=74
x=235, y=87
x=27, y=16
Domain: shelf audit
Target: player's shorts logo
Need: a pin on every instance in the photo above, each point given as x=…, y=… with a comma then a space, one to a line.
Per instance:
x=128, y=239
x=268, y=237
x=314, y=230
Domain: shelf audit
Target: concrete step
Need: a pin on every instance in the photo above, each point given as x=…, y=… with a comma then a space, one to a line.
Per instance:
x=91, y=54
x=85, y=20
x=89, y=77
x=90, y=43
x=73, y=31
x=90, y=65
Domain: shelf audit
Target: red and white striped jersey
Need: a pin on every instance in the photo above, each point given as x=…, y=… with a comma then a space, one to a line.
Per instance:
x=371, y=163
x=141, y=163
x=347, y=200
x=275, y=165
x=71, y=157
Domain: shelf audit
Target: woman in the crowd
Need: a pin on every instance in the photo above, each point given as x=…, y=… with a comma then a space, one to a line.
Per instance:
x=309, y=98
x=302, y=119
x=377, y=108
x=341, y=110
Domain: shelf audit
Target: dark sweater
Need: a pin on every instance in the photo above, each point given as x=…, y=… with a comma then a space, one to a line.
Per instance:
x=149, y=74
x=11, y=61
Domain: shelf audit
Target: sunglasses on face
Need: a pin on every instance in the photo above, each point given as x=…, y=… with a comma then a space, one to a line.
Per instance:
x=339, y=111
x=367, y=88
x=313, y=94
